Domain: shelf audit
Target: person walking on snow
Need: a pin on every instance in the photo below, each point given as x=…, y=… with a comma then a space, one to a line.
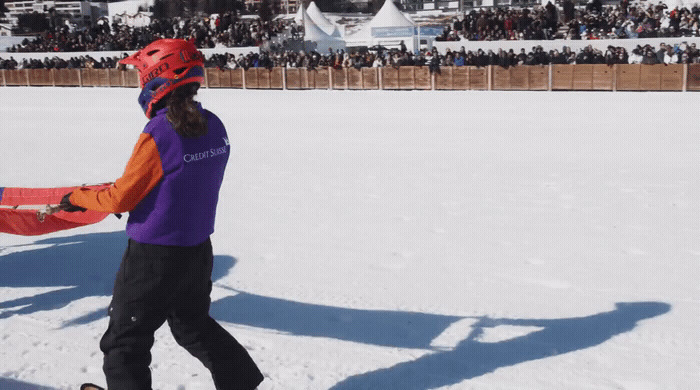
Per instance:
x=170, y=188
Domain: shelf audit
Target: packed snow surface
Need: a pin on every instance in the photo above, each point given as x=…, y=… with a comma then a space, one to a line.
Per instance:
x=388, y=240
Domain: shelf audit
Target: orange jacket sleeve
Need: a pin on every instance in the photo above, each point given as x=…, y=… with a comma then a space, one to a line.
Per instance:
x=143, y=172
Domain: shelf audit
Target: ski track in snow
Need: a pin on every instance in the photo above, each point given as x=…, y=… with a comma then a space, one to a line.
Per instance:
x=388, y=240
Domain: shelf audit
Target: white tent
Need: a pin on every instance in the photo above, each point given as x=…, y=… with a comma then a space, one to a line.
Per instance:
x=321, y=21
x=390, y=16
x=317, y=16
x=317, y=39
x=388, y=27
x=299, y=16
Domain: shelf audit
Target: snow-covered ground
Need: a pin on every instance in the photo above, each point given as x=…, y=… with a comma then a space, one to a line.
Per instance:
x=388, y=240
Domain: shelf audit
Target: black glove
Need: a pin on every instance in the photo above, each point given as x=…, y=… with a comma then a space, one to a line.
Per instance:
x=66, y=205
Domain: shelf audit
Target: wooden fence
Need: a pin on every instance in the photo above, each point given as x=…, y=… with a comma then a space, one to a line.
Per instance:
x=633, y=77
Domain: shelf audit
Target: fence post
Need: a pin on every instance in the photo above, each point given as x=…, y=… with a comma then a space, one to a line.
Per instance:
x=614, y=70
x=330, y=77
x=4, y=80
x=380, y=78
x=549, y=88
x=685, y=77
x=469, y=77
x=243, y=78
x=489, y=76
x=284, y=77
x=529, y=76
x=26, y=75
x=413, y=73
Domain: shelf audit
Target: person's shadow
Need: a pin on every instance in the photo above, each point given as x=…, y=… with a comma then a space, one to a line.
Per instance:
x=85, y=265
x=75, y=267
x=472, y=358
x=11, y=384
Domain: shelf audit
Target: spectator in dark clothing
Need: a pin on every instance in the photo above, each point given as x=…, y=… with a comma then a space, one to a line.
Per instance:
x=649, y=56
x=569, y=9
x=595, y=6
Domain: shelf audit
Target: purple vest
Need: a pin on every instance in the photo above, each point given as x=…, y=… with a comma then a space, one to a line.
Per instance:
x=180, y=210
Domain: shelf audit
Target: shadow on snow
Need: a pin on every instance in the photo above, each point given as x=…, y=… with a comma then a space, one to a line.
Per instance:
x=77, y=267
x=84, y=265
x=472, y=358
x=87, y=263
x=377, y=327
x=11, y=384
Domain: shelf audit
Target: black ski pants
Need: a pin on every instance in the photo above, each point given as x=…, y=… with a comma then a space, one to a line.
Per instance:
x=158, y=283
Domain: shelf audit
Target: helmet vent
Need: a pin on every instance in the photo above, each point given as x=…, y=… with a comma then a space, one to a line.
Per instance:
x=180, y=71
x=152, y=52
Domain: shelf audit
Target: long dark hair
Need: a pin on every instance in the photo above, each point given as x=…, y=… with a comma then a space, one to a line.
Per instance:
x=183, y=113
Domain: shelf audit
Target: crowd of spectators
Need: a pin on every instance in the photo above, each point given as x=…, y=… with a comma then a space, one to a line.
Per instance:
x=594, y=21
x=666, y=54
x=494, y=24
x=224, y=31
x=56, y=62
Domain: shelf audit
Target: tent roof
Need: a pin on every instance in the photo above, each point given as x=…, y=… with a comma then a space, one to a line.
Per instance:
x=315, y=13
x=298, y=17
x=321, y=21
x=313, y=33
x=390, y=16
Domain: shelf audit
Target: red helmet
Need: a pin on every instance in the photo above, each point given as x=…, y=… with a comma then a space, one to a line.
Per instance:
x=164, y=65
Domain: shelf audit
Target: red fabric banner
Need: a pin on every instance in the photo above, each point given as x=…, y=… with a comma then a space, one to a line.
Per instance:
x=26, y=222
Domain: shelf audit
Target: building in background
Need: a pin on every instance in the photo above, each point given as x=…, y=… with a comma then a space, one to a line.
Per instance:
x=79, y=13
x=277, y=6
x=134, y=13
x=351, y=6
x=139, y=19
x=288, y=6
